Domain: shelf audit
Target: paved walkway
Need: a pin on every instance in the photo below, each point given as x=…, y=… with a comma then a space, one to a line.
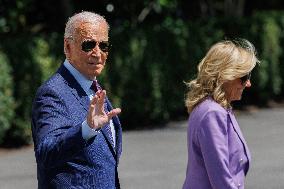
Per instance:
x=156, y=159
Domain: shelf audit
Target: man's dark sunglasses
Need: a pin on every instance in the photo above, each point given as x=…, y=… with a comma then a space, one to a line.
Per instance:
x=245, y=78
x=89, y=45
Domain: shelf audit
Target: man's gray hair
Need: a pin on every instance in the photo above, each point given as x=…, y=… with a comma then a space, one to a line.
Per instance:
x=83, y=16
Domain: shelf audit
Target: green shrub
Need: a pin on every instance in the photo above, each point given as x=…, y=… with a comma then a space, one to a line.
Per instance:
x=6, y=97
x=148, y=64
x=32, y=62
x=266, y=31
x=147, y=68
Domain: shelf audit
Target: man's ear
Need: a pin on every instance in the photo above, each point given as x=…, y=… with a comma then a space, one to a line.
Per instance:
x=66, y=46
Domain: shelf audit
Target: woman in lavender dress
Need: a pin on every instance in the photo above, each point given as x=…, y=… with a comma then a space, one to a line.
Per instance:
x=218, y=156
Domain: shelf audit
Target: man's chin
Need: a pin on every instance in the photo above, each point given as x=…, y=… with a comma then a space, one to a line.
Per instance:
x=97, y=72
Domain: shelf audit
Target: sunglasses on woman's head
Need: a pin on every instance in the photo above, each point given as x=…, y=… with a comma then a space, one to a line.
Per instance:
x=89, y=45
x=245, y=78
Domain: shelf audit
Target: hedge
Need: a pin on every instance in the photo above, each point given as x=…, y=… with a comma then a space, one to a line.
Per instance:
x=7, y=103
x=148, y=65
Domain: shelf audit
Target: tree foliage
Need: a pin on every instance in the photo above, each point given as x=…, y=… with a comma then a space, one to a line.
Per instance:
x=157, y=45
x=7, y=103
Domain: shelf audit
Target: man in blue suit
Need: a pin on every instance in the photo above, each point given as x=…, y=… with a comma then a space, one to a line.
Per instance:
x=76, y=132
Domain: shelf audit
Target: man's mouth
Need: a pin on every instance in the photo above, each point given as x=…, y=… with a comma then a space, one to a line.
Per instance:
x=93, y=63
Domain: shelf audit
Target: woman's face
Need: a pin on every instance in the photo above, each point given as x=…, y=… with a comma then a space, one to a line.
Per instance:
x=234, y=89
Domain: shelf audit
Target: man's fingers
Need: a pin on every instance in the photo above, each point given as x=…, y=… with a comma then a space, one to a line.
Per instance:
x=92, y=109
x=101, y=97
x=93, y=103
x=113, y=112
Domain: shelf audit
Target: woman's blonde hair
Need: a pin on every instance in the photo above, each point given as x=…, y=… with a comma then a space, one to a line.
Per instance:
x=225, y=61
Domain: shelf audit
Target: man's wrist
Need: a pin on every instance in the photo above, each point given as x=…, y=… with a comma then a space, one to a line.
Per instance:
x=88, y=132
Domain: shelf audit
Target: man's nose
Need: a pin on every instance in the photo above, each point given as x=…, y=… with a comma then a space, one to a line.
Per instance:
x=96, y=51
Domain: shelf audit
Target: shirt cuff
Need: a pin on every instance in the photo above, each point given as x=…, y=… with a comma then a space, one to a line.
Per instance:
x=88, y=132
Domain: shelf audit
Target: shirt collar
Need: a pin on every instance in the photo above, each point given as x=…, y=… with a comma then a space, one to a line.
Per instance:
x=82, y=80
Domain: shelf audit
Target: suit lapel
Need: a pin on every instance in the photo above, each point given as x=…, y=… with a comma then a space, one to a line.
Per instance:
x=117, y=127
x=75, y=87
x=238, y=131
x=118, y=130
x=236, y=127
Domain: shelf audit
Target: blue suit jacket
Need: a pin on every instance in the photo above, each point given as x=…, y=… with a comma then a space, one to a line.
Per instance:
x=218, y=156
x=64, y=158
